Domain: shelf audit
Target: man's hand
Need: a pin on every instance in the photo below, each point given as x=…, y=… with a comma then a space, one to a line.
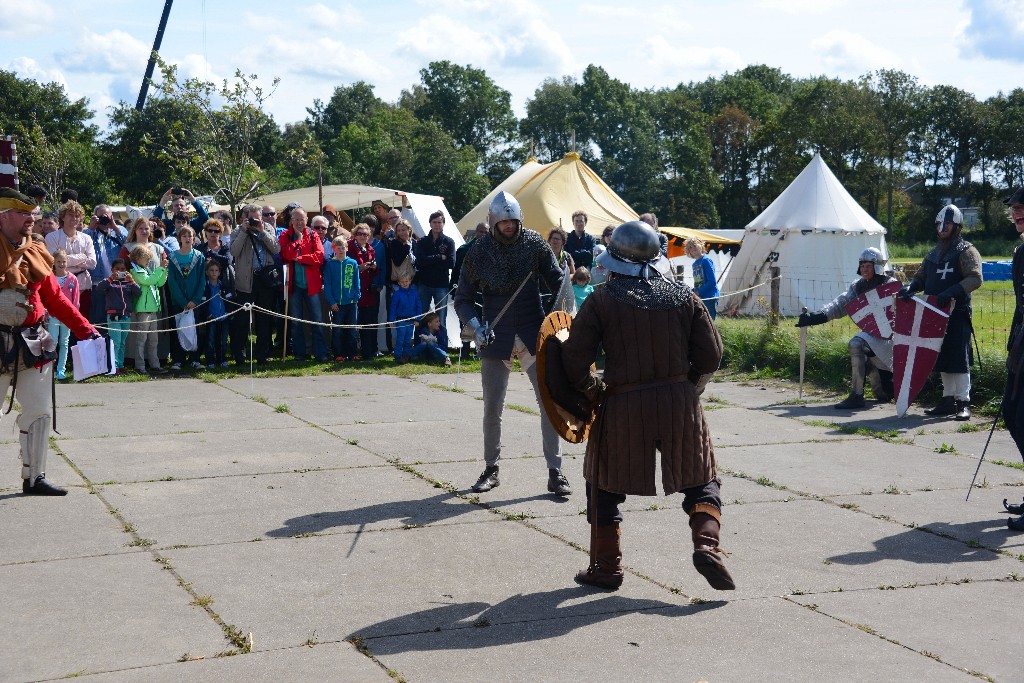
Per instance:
x=942, y=300
x=334, y=308
x=163, y=259
x=189, y=306
x=811, y=319
x=95, y=334
x=906, y=293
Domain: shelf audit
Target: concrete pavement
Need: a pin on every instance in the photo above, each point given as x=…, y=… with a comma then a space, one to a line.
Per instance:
x=321, y=529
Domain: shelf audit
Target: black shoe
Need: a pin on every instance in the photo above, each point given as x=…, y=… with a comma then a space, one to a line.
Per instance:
x=882, y=397
x=41, y=487
x=488, y=480
x=1016, y=524
x=961, y=411
x=1014, y=509
x=558, y=484
x=851, y=401
x=947, y=406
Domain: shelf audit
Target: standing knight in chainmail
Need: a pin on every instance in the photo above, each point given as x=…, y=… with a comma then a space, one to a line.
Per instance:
x=504, y=266
x=661, y=349
x=951, y=271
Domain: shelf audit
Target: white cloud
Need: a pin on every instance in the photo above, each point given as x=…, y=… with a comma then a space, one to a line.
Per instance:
x=848, y=54
x=802, y=7
x=996, y=30
x=26, y=67
x=114, y=52
x=323, y=57
x=343, y=19
x=681, y=58
x=19, y=18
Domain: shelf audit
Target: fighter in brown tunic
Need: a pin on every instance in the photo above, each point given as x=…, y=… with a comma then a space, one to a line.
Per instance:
x=661, y=348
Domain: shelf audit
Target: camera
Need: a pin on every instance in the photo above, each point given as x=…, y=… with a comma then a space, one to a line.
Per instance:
x=104, y=220
x=254, y=222
x=121, y=274
x=176, y=190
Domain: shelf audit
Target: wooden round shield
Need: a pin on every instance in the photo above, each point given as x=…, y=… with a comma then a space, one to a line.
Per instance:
x=567, y=409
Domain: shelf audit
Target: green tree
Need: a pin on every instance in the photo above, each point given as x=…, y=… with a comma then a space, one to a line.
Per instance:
x=24, y=101
x=551, y=117
x=231, y=150
x=348, y=104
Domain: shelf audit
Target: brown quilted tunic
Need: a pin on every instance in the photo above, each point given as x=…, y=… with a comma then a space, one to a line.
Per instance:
x=643, y=345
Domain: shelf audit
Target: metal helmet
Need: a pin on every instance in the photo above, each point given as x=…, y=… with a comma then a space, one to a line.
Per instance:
x=949, y=213
x=634, y=250
x=503, y=207
x=875, y=256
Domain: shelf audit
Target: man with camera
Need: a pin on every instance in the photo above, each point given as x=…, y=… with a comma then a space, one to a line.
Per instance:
x=107, y=240
x=180, y=198
x=253, y=247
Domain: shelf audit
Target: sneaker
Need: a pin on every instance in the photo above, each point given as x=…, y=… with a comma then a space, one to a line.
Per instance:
x=340, y=359
x=488, y=480
x=41, y=487
x=61, y=376
x=447, y=362
x=557, y=483
x=196, y=365
x=211, y=366
x=158, y=370
x=176, y=367
x=223, y=364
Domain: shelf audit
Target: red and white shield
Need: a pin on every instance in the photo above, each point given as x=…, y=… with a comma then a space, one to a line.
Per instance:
x=872, y=311
x=916, y=341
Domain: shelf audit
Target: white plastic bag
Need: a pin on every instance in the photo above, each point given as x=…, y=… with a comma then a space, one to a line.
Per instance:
x=187, y=336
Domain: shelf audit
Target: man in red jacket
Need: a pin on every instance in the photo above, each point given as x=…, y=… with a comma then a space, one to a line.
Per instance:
x=28, y=289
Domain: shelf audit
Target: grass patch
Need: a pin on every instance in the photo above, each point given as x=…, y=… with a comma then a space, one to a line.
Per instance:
x=202, y=601
x=259, y=399
x=1007, y=463
x=442, y=387
x=522, y=409
x=140, y=543
x=282, y=408
x=967, y=428
x=945, y=448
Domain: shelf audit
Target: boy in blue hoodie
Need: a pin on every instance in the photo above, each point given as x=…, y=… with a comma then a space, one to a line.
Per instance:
x=405, y=304
x=341, y=289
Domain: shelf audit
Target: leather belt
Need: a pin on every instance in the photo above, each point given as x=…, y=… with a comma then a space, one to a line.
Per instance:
x=637, y=386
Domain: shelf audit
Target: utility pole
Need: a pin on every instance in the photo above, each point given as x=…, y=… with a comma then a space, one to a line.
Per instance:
x=152, y=56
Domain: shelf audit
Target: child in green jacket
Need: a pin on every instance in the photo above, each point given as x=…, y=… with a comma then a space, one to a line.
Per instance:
x=147, y=307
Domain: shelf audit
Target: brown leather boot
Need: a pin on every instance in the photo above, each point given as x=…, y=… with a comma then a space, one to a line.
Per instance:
x=605, y=570
x=707, y=556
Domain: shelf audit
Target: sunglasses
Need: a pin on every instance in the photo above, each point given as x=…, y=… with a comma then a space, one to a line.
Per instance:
x=213, y=232
x=269, y=215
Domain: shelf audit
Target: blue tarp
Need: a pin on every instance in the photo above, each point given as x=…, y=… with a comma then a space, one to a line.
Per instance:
x=996, y=270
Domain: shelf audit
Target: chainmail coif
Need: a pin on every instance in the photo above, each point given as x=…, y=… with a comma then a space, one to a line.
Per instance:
x=500, y=268
x=653, y=295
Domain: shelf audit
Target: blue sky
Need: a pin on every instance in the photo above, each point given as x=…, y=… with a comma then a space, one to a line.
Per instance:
x=98, y=48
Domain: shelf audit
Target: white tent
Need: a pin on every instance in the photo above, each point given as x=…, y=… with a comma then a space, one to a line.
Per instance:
x=814, y=233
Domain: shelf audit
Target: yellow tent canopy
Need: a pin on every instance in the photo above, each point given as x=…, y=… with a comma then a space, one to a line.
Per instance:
x=550, y=193
x=713, y=242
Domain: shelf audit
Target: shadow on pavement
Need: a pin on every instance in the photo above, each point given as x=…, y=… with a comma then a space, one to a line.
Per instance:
x=977, y=537
x=418, y=512
x=535, y=616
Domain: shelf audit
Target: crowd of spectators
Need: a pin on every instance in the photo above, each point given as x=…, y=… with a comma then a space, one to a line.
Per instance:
x=142, y=280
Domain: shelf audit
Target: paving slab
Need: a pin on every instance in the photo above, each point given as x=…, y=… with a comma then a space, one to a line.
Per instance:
x=981, y=520
x=423, y=405
x=733, y=426
x=304, y=664
x=43, y=528
x=170, y=418
x=97, y=614
x=971, y=444
x=213, y=454
x=765, y=562
x=277, y=389
x=426, y=578
x=240, y=509
x=75, y=395
x=841, y=468
x=738, y=641
x=452, y=438
x=932, y=619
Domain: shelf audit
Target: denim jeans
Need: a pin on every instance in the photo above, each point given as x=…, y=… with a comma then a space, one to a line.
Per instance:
x=440, y=296
x=403, y=339
x=345, y=340
x=61, y=333
x=216, y=341
x=423, y=351
x=117, y=330
x=307, y=307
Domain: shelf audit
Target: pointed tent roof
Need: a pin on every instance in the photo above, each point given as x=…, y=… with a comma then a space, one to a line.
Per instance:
x=550, y=193
x=816, y=201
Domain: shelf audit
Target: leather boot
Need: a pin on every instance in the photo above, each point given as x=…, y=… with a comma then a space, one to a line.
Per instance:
x=1013, y=509
x=707, y=556
x=960, y=411
x=41, y=487
x=605, y=570
x=852, y=401
x=944, y=407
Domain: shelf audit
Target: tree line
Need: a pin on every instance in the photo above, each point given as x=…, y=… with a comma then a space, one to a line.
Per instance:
x=709, y=154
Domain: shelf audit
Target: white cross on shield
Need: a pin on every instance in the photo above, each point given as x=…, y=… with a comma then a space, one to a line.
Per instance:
x=917, y=338
x=872, y=310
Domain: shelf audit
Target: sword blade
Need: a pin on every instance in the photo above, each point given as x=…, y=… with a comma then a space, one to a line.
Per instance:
x=930, y=307
x=803, y=354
